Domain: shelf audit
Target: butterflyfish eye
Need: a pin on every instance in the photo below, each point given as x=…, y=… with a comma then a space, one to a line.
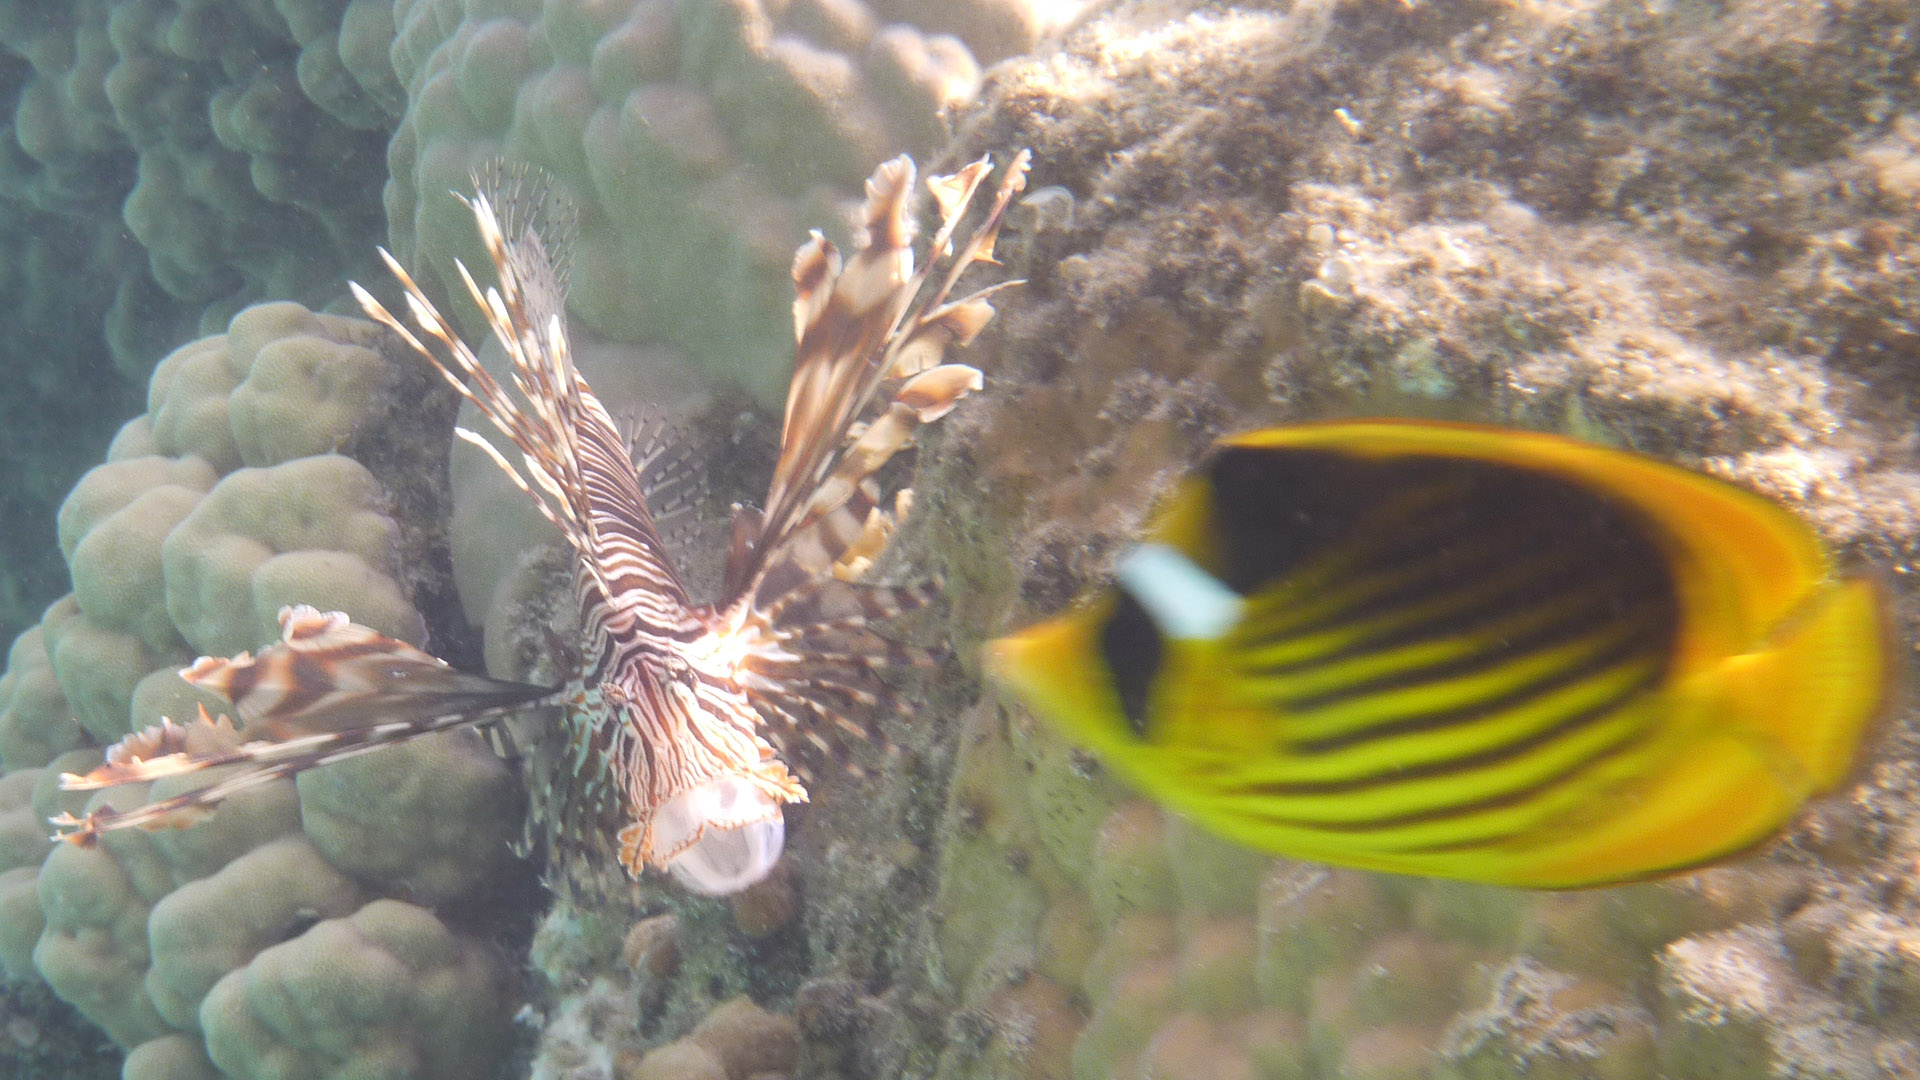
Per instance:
x=1163, y=594
x=1184, y=601
x=1131, y=649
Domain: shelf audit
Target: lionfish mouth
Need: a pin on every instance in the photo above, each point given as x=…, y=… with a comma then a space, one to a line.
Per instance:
x=671, y=750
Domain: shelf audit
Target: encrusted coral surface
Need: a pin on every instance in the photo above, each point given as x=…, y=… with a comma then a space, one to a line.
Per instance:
x=1647, y=226
x=1681, y=230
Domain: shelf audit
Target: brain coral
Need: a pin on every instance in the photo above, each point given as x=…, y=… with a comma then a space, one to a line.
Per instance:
x=699, y=139
x=289, y=459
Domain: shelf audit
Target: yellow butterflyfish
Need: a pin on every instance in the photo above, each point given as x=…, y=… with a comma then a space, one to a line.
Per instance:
x=1468, y=652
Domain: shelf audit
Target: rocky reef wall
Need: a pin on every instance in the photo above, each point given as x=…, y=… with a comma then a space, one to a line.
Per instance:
x=1638, y=224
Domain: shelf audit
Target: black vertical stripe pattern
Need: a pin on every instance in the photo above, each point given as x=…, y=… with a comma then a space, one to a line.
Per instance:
x=1430, y=549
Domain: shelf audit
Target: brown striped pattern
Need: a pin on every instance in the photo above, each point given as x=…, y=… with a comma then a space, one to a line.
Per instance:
x=670, y=695
x=303, y=703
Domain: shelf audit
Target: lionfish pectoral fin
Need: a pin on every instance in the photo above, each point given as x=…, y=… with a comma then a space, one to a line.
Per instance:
x=870, y=370
x=256, y=763
x=830, y=668
x=86, y=830
x=329, y=674
x=331, y=689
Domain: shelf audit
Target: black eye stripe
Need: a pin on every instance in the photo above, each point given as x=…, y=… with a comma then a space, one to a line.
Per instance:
x=1132, y=648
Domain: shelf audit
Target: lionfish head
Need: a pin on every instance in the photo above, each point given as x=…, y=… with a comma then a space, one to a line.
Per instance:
x=715, y=838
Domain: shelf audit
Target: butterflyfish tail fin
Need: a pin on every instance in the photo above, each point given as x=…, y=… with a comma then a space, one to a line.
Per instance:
x=1820, y=684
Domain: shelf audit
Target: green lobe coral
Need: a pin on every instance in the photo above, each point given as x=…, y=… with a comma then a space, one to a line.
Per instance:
x=386, y=991
x=264, y=474
x=308, y=531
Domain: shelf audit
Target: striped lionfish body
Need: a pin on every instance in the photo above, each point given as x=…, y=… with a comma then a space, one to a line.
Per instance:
x=664, y=728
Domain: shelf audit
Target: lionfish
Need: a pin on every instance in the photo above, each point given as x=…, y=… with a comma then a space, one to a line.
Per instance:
x=665, y=722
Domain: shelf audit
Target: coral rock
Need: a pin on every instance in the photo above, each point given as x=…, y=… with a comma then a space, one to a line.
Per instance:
x=747, y=1039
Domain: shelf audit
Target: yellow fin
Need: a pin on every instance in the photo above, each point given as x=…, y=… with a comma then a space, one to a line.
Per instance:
x=1816, y=688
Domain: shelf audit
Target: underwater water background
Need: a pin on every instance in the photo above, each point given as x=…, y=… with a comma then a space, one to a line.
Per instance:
x=1688, y=228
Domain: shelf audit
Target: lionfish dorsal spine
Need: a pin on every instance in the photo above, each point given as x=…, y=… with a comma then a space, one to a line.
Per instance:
x=855, y=321
x=574, y=464
x=869, y=371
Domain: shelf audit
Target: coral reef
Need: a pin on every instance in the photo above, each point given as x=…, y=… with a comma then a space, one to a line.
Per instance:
x=167, y=163
x=339, y=922
x=1643, y=226
x=699, y=141
x=603, y=1009
x=1685, y=229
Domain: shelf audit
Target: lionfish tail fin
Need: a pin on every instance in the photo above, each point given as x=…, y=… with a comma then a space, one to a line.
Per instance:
x=331, y=689
x=675, y=482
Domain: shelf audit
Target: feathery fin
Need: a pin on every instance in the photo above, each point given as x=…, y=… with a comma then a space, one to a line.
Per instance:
x=303, y=703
